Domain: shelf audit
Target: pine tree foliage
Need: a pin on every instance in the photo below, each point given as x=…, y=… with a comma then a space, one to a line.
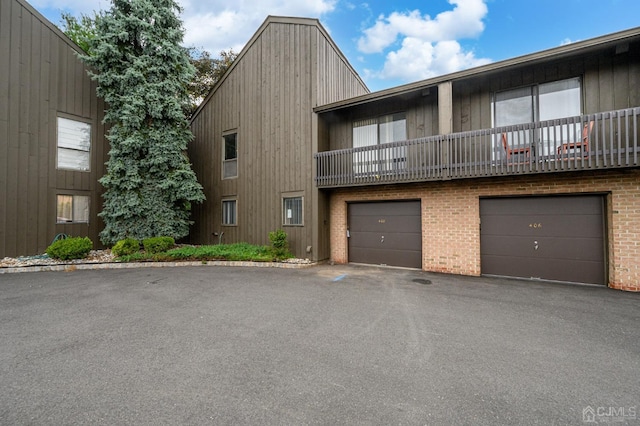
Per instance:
x=209, y=70
x=142, y=73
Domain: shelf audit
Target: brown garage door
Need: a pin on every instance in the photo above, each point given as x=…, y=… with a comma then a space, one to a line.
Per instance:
x=388, y=233
x=553, y=238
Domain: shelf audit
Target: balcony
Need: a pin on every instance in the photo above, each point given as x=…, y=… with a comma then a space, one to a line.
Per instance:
x=606, y=140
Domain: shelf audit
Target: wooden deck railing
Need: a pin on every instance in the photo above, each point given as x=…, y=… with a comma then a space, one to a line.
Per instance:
x=604, y=140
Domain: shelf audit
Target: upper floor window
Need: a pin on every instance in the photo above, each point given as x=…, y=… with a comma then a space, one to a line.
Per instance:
x=383, y=129
x=74, y=144
x=230, y=162
x=375, y=131
x=539, y=102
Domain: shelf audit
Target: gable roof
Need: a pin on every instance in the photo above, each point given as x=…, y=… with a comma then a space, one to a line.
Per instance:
x=277, y=20
x=57, y=31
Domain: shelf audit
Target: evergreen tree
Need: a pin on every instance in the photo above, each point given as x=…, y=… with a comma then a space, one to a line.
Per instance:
x=209, y=70
x=142, y=73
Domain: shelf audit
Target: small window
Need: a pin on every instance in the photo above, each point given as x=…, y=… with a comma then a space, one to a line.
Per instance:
x=229, y=212
x=292, y=211
x=74, y=144
x=72, y=209
x=230, y=162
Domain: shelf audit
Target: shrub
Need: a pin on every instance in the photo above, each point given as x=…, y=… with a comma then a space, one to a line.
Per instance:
x=279, y=244
x=236, y=251
x=126, y=247
x=158, y=244
x=70, y=248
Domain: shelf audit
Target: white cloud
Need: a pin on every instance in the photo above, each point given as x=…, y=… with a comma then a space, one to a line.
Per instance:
x=217, y=25
x=428, y=47
x=214, y=25
x=417, y=60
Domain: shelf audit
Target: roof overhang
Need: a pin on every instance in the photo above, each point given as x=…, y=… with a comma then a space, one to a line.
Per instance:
x=613, y=40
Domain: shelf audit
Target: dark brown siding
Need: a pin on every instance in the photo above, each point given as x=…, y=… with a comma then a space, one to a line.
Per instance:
x=555, y=238
x=40, y=79
x=421, y=113
x=268, y=97
x=609, y=82
x=386, y=233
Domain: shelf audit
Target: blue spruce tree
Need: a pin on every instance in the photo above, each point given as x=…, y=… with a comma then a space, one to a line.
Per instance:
x=142, y=73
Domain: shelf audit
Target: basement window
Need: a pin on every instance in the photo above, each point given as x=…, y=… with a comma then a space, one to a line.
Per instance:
x=72, y=209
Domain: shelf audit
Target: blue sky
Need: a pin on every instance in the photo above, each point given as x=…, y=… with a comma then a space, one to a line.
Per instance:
x=394, y=42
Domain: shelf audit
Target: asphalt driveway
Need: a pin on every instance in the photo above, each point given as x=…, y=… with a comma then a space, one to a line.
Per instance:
x=322, y=345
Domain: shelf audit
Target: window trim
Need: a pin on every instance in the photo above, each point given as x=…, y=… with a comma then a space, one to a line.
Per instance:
x=82, y=120
x=73, y=221
x=224, y=153
x=291, y=196
x=535, y=98
x=379, y=160
x=222, y=216
x=378, y=123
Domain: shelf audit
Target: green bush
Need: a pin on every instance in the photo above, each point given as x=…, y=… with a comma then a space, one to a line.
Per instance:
x=236, y=251
x=70, y=248
x=125, y=247
x=158, y=244
x=279, y=244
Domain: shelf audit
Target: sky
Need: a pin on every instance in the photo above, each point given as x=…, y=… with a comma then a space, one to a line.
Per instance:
x=390, y=43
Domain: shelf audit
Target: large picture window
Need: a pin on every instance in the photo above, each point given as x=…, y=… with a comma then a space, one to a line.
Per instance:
x=373, y=132
x=72, y=209
x=229, y=212
x=74, y=144
x=230, y=162
x=540, y=102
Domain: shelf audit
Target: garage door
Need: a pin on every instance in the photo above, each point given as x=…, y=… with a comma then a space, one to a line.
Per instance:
x=388, y=233
x=553, y=238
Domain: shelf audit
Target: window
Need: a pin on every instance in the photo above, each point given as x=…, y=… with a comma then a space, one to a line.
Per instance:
x=229, y=212
x=74, y=144
x=230, y=162
x=292, y=211
x=72, y=209
x=537, y=103
x=558, y=99
x=376, y=131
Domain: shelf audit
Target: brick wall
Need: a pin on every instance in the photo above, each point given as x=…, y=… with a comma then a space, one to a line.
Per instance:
x=451, y=217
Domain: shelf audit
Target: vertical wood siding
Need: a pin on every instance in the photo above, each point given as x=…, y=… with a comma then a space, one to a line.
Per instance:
x=40, y=79
x=421, y=114
x=609, y=82
x=268, y=98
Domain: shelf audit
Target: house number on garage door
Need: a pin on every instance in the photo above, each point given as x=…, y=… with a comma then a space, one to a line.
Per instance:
x=535, y=225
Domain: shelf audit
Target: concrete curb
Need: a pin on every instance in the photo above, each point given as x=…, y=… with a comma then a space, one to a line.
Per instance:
x=69, y=267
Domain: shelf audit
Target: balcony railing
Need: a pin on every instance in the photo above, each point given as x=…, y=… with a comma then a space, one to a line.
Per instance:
x=604, y=140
